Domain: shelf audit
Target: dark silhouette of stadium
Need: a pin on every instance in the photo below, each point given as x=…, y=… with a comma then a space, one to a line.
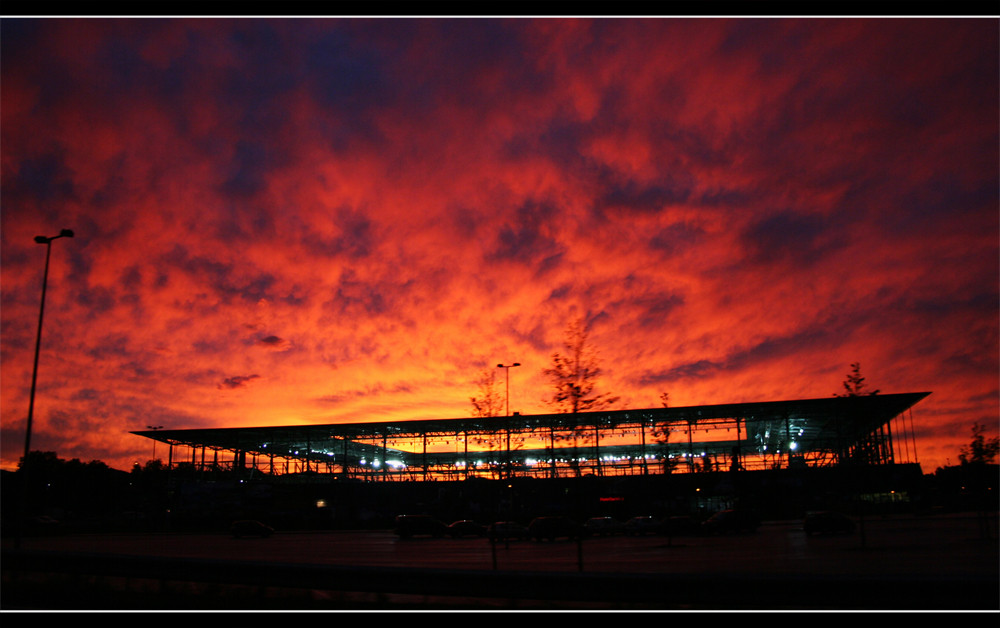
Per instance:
x=807, y=433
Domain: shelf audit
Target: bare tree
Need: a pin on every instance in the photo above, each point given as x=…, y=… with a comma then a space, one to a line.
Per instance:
x=574, y=375
x=661, y=436
x=489, y=403
x=854, y=385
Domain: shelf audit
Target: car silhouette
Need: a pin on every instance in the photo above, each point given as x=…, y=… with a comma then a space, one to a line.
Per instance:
x=247, y=527
x=507, y=531
x=408, y=526
x=602, y=526
x=552, y=528
x=638, y=526
x=465, y=527
x=827, y=522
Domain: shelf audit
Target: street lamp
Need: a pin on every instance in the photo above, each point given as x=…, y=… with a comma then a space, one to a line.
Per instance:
x=508, y=367
x=154, y=428
x=47, y=241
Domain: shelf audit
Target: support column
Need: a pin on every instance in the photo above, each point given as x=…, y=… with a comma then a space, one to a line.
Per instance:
x=385, y=455
x=642, y=449
x=552, y=447
x=597, y=448
x=690, y=423
x=424, y=455
x=788, y=441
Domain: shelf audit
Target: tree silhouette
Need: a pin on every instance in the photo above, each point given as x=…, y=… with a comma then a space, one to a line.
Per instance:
x=854, y=385
x=661, y=436
x=980, y=450
x=574, y=375
x=489, y=403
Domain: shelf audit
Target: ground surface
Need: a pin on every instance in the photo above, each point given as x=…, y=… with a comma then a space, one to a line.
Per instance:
x=884, y=547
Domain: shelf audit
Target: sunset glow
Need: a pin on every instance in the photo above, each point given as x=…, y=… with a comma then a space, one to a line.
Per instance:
x=302, y=221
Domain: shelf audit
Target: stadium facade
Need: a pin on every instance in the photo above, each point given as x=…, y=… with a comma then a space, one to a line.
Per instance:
x=872, y=430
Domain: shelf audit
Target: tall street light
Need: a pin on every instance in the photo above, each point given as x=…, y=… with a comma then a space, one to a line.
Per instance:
x=47, y=241
x=507, y=367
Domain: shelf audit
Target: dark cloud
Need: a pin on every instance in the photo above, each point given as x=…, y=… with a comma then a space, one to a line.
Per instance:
x=676, y=238
x=680, y=373
x=227, y=279
x=355, y=239
x=275, y=343
x=792, y=238
x=636, y=196
x=237, y=381
x=44, y=180
x=346, y=75
x=248, y=169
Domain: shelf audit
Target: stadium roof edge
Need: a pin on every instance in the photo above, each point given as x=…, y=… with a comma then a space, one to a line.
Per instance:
x=886, y=405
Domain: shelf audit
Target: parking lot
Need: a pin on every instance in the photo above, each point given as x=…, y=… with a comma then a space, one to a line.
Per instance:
x=921, y=550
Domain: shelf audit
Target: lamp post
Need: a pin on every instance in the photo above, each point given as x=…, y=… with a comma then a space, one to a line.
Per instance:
x=507, y=367
x=154, y=428
x=47, y=241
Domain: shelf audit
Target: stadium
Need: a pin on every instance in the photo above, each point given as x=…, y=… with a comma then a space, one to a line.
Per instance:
x=872, y=430
x=781, y=457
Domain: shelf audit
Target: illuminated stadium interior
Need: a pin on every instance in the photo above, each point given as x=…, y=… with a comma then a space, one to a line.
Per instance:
x=875, y=429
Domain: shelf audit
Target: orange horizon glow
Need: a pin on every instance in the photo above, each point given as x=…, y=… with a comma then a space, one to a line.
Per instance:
x=310, y=221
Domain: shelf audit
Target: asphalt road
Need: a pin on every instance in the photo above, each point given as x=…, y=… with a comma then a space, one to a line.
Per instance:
x=890, y=548
x=912, y=545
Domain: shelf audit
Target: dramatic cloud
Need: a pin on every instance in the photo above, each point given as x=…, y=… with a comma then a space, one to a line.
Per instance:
x=238, y=381
x=288, y=221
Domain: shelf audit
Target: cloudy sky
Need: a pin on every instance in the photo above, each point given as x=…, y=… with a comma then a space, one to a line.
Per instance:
x=295, y=221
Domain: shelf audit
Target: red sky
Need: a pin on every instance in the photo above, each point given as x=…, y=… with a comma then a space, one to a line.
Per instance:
x=292, y=221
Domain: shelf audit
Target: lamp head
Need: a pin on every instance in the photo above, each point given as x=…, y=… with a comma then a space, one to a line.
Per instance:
x=65, y=233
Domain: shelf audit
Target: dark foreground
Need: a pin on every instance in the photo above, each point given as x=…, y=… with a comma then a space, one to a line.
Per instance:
x=899, y=563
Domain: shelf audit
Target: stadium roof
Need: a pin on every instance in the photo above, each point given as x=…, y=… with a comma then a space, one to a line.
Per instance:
x=816, y=423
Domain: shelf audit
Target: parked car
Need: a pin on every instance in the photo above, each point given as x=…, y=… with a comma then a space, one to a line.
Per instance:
x=465, y=527
x=602, y=526
x=827, y=522
x=639, y=526
x=731, y=521
x=408, y=526
x=248, y=527
x=552, y=528
x=507, y=531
